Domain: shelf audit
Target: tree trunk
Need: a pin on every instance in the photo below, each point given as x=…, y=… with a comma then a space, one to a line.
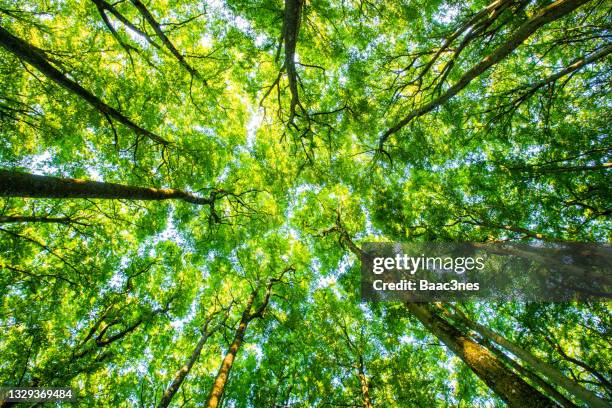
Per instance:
x=38, y=59
x=365, y=385
x=184, y=371
x=218, y=387
x=17, y=184
x=509, y=386
x=291, y=28
x=216, y=393
x=536, y=379
x=546, y=15
x=548, y=370
x=18, y=219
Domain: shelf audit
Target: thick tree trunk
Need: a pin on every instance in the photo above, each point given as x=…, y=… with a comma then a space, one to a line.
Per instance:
x=291, y=28
x=548, y=370
x=50, y=220
x=548, y=388
x=546, y=15
x=37, y=59
x=17, y=184
x=509, y=386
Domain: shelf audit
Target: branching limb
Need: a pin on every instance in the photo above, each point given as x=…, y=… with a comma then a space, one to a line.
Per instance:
x=546, y=15
x=40, y=61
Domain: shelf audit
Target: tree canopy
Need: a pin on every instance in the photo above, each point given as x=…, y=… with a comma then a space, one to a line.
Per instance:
x=185, y=186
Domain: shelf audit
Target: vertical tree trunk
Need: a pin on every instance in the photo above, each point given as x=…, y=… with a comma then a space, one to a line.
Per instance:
x=216, y=391
x=291, y=28
x=548, y=370
x=365, y=385
x=184, y=371
x=509, y=386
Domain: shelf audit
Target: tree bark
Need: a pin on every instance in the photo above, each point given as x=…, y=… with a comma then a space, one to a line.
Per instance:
x=548, y=370
x=546, y=15
x=536, y=379
x=365, y=385
x=184, y=371
x=218, y=387
x=37, y=59
x=216, y=392
x=165, y=40
x=291, y=28
x=17, y=184
x=18, y=219
x=505, y=383
x=509, y=386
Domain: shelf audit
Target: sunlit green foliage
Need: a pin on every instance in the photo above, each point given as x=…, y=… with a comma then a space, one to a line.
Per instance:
x=113, y=299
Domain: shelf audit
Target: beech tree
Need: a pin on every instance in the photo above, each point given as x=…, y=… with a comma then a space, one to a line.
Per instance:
x=185, y=188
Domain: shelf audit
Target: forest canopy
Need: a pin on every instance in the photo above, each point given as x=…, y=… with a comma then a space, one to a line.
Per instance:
x=185, y=188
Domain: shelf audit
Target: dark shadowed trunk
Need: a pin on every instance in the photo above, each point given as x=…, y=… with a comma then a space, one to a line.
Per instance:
x=291, y=28
x=17, y=184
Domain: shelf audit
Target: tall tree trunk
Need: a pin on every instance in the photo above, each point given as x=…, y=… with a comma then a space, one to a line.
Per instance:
x=17, y=184
x=365, y=385
x=505, y=383
x=509, y=386
x=216, y=392
x=548, y=370
x=218, y=387
x=291, y=28
x=544, y=16
x=184, y=371
x=37, y=58
x=536, y=379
